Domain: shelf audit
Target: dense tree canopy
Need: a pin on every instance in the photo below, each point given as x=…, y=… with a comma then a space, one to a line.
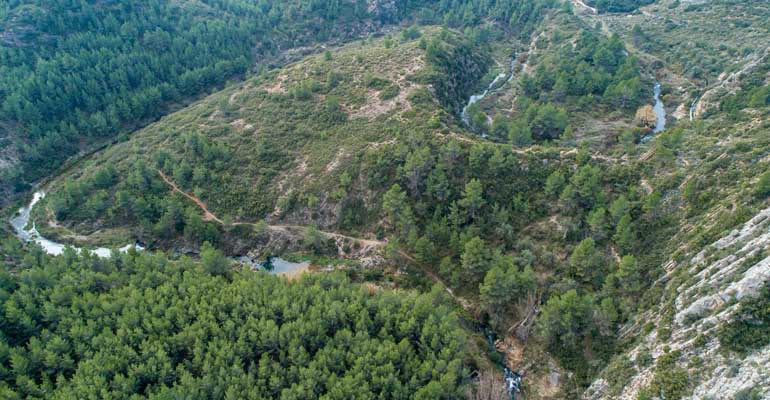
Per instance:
x=140, y=325
x=75, y=72
x=618, y=5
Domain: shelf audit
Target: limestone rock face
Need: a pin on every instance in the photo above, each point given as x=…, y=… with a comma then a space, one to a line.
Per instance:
x=381, y=7
x=717, y=279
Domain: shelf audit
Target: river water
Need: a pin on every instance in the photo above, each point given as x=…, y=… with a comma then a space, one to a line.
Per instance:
x=512, y=379
x=660, y=114
x=660, y=111
x=21, y=220
x=275, y=265
x=491, y=88
x=693, y=108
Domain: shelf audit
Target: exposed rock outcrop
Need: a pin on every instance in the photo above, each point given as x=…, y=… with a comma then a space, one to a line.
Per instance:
x=717, y=280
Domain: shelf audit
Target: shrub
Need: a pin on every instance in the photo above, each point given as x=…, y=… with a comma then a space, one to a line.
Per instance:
x=762, y=190
x=389, y=92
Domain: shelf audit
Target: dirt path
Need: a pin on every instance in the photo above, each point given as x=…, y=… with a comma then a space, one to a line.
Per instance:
x=465, y=304
x=580, y=3
x=207, y=215
x=210, y=216
x=529, y=151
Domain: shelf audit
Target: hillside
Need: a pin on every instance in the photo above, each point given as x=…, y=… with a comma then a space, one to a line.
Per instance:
x=279, y=147
x=76, y=75
x=584, y=184
x=702, y=335
x=359, y=147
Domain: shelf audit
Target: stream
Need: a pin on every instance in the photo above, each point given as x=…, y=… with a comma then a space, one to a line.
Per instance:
x=21, y=220
x=274, y=265
x=512, y=379
x=660, y=114
x=693, y=108
x=491, y=88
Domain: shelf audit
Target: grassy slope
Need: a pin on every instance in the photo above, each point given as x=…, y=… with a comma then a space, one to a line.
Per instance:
x=306, y=154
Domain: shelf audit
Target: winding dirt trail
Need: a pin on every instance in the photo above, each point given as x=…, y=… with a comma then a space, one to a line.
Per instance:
x=210, y=216
x=580, y=3
x=207, y=215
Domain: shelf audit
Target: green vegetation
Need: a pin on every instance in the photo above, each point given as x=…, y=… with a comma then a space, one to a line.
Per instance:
x=575, y=80
x=299, y=142
x=458, y=65
x=80, y=73
x=754, y=92
x=750, y=328
x=74, y=73
x=594, y=69
x=670, y=380
x=548, y=220
x=142, y=326
x=618, y=5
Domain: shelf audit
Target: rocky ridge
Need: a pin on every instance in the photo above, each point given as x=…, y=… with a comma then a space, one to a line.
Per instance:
x=722, y=275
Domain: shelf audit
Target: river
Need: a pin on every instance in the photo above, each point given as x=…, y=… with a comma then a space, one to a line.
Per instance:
x=491, y=88
x=21, y=220
x=693, y=108
x=660, y=110
x=660, y=114
x=512, y=379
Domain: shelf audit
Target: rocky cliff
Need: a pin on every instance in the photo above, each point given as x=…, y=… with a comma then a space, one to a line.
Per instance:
x=708, y=290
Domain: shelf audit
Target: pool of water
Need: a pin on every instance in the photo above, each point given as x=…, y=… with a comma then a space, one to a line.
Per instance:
x=275, y=265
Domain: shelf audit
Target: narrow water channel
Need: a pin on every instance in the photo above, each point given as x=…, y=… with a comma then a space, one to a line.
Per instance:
x=21, y=220
x=512, y=379
x=493, y=87
x=660, y=114
x=693, y=108
x=660, y=110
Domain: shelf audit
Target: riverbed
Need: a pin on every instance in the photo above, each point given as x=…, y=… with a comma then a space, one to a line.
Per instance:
x=21, y=221
x=660, y=110
x=493, y=87
x=660, y=114
x=29, y=235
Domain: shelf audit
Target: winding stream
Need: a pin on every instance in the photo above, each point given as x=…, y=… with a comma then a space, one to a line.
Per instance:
x=21, y=220
x=660, y=111
x=491, y=88
x=512, y=379
x=660, y=114
x=693, y=108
